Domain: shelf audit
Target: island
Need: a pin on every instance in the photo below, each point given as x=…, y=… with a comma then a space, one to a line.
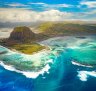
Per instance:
x=28, y=51
x=23, y=40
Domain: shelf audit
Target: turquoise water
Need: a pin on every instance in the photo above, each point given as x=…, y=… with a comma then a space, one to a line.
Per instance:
x=19, y=72
x=85, y=53
x=86, y=56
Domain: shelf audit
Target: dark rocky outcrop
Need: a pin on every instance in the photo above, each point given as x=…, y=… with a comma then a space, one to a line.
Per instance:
x=22, y=34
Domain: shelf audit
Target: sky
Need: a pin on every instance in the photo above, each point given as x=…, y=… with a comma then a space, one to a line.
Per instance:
x=47, y=10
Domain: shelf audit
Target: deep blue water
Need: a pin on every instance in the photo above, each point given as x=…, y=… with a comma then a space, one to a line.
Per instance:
x=12, y=81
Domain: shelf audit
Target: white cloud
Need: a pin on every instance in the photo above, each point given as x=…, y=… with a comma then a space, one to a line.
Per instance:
x=92, y=12
x=89, y=4
x=16, y=5
x=52, y=5
x=39, y=3
x=64, y=5
x=59, y=5
x=23, y=15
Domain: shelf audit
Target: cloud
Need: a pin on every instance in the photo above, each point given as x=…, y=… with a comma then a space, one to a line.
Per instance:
x=39, y=6
x=89, y=4
x=42, y=5
x=23, y=15
x=52, y=5
x=92, y=12
x=16, y=5
x=60, y=5
x=39, y=3
x=89, y=15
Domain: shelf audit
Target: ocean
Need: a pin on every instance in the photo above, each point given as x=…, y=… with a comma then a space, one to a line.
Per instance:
x=70, y=65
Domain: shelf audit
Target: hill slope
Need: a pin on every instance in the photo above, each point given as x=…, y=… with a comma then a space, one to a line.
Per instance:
x=52, y=29
x=22, y=34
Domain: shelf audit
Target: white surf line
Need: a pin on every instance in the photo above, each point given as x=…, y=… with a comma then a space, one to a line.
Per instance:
x=76, y=63
x=34, y=56
x=27, y=74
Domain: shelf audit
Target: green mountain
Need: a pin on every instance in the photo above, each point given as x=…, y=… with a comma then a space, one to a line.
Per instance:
x=61, y=28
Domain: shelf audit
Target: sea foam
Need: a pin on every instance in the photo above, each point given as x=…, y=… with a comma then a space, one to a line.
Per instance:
x=78, y=64
x=27, y=74
x=34, y=57
x=83, y=75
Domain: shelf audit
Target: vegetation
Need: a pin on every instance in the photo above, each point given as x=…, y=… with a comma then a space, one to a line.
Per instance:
x=22, y=38
x=28, y=48
x=21, y=29
x=61, y=28
x=24, y=66
x=44, y=26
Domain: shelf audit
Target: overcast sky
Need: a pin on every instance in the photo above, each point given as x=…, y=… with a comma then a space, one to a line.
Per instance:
x=47, y=10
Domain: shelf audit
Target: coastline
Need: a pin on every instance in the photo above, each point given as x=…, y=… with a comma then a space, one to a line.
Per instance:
x=26, y=73
x=29, y=74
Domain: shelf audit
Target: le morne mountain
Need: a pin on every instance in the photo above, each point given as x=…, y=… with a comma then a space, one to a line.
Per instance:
x=24, y=40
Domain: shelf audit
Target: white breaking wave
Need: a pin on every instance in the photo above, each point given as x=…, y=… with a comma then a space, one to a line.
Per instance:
x=34, y=58
x=78, y=64
x=27, y=74
x=83, y=75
